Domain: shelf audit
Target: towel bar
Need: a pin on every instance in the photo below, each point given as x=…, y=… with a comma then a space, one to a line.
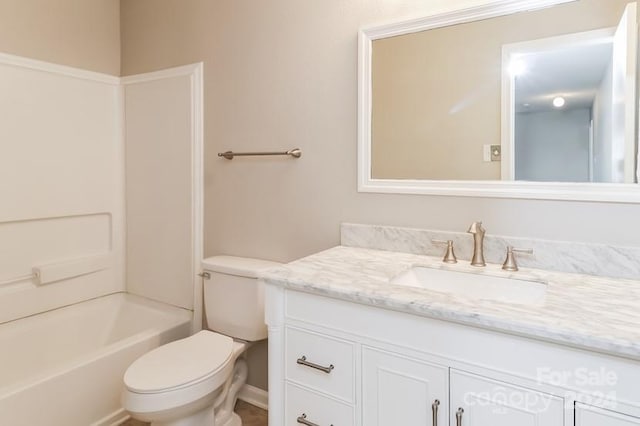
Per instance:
x=295, y=152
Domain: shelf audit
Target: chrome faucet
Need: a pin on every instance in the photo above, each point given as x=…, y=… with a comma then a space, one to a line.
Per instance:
x=478, y=244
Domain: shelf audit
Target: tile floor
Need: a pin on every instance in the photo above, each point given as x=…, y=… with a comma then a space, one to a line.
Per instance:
x=250, y=415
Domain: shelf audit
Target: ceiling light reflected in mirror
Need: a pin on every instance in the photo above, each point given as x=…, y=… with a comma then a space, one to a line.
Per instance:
x=559, y=102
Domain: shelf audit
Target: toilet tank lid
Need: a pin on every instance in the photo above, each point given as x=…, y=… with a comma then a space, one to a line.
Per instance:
x=240, y=266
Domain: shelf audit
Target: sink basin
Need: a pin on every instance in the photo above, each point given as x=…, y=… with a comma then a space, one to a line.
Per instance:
x=470, y=285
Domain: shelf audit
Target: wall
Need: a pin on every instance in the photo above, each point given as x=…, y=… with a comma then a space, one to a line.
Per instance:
x=283, y=73
x=553, y=146
x=430, y=124
x=78, y=33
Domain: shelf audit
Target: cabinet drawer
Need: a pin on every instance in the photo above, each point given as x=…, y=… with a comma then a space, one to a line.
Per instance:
x=303, y=405
x=320, y=362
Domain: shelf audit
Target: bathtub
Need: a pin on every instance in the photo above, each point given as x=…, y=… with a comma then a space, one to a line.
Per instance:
x=64, y=367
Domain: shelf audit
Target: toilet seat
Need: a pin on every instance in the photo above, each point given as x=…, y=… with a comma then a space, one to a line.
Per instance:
x=181, y=364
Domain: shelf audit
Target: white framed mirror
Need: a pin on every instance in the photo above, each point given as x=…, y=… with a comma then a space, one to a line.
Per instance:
x=515, y=99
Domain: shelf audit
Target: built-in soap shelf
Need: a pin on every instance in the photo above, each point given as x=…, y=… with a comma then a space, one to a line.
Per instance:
x=63, y=270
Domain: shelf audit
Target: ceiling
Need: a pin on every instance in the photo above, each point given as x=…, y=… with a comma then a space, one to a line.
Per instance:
x=573, y=72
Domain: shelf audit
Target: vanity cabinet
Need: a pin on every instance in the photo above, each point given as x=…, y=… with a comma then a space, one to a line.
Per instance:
x=334, y=362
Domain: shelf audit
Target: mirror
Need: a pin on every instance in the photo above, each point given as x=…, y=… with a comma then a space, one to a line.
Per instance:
x=504, y=102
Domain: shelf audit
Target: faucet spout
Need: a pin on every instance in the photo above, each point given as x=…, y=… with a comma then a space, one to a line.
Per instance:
x=478, y=244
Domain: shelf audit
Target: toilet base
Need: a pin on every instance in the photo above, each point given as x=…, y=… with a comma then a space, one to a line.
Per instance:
x=204, y=417
x=234, y=420
x=200, y=418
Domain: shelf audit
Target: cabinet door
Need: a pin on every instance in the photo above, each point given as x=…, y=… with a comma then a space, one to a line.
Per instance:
x=481, y=401
x=398, y=390
x=591, y=416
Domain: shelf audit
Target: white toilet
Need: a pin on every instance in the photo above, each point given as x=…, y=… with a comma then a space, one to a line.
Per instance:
x=195, y=381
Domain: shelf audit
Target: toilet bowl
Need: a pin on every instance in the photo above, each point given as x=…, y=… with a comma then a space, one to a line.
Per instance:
x=195, y=381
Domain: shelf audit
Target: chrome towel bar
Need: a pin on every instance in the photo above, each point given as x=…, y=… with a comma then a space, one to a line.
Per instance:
x=295, y=153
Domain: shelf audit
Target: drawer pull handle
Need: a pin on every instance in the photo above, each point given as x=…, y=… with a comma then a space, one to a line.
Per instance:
x=434, y=412
x=303, y=421
x=303, y=361
x=459, y=416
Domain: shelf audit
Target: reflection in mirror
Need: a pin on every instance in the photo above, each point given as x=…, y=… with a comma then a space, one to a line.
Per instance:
x=545, y=95
x=566, y=115
x=579, y=115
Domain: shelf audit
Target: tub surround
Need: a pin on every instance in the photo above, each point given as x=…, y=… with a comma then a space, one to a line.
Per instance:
x=64, y=211
x=594, y=313
x=562, y=256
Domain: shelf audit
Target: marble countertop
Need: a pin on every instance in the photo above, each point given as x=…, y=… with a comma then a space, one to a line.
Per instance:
x=583, y=311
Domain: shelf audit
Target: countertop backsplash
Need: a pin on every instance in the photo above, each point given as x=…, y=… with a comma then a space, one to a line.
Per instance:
x=562, y=256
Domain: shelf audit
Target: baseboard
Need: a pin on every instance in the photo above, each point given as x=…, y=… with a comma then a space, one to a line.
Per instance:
x=116, y=418
x=254, y=396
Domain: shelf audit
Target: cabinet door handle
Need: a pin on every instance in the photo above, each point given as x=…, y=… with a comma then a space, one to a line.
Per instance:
x=303, y=361
x=434, y=412
x=303, y=421
x=459, y=416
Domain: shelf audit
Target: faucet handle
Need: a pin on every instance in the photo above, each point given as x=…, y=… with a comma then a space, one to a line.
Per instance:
x=476, y=228
x=510, y=262
x=450, y=256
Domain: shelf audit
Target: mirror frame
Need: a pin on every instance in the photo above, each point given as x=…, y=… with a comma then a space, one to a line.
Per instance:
x=603, y=192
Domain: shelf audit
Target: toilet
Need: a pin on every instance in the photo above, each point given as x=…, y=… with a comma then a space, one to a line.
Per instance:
x=196, y=380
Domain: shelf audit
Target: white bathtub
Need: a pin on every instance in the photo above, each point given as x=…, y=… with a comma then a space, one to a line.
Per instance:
x=65, y=367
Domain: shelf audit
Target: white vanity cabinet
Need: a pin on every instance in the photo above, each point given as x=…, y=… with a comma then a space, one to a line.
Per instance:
x=339, y=363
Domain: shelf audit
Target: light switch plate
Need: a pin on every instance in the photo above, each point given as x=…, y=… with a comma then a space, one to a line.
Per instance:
x=496, y=153
x=491, y=153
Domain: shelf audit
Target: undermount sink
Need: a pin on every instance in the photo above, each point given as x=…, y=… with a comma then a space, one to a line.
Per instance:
x=472, y=285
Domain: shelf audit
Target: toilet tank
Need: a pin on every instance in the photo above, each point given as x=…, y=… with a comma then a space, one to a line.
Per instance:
x=233, y=299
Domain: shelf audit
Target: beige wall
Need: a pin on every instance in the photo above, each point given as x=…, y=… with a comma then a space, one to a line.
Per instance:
x=437, y=93
x=78, y=33
x=283, y=73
